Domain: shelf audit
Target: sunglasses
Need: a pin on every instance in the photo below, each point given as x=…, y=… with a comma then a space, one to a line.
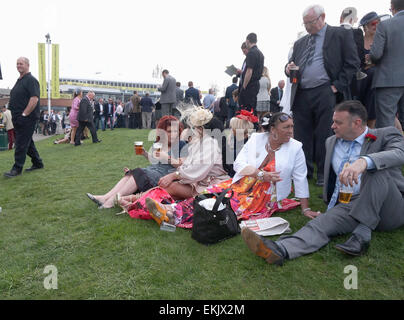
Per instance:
x=284, y=117
x=273, y=119
x=374, y=23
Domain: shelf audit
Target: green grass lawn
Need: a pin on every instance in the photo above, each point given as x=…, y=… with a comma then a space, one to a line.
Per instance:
x=48, y=220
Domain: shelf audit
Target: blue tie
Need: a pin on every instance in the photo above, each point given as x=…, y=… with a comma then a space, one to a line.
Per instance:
x=338, y=183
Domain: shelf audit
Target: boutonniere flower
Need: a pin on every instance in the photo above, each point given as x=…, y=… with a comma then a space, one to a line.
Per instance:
x=371, y=137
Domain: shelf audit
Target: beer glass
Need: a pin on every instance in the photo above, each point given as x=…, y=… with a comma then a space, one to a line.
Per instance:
x=294, y=74
x=345, y=193
x=139, y=147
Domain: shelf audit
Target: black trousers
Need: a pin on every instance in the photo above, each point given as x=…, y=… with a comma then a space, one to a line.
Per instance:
x=24, y=145
x=82, y=125
x=248, y=97
x=312, y=116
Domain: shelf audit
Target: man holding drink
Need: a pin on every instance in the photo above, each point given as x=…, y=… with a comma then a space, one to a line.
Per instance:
x=320, y=71
x=367, y=160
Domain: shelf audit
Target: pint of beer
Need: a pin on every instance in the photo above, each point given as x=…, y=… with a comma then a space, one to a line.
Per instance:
x=139, y=147
x=345, y=194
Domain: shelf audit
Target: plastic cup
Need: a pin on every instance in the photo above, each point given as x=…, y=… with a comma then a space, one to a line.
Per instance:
x=139, y=147
x=345, y=194
x=294, y=74
x=157, y=146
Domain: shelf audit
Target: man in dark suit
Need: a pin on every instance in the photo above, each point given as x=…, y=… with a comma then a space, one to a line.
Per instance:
x=99, y=114
x=387, y=54
x=232, y=106
x=327, y=59
x=109, y=108
x=85, y=118
x=192, y=95
x=349, y=17
x=276, y=96
x=369, y=160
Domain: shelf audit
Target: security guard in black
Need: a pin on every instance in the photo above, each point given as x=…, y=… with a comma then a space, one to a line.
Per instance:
x=25, y=116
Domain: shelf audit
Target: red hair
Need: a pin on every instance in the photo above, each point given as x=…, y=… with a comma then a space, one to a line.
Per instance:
x=166, y=122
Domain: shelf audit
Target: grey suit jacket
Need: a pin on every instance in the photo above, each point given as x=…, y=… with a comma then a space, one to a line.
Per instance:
x=179, y=93
x=387, y=152
x=387, y=53
x=168, y=90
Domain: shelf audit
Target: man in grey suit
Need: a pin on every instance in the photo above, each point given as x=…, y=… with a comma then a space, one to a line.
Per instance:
x=370, y=160
x=168, y=96
x=179, y=93
x=387, y=54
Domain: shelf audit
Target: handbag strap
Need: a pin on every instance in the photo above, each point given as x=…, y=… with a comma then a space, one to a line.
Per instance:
x=220, y=198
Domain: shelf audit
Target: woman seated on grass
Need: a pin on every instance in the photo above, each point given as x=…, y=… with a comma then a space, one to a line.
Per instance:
x=203, y=166
x=169, y=130
x=66, y=138
x=265, y=169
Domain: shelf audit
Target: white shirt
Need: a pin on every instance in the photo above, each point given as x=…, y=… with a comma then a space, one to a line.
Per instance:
x=119, y=109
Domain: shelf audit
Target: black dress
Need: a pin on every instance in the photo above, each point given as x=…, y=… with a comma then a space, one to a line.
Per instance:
x=366, y=94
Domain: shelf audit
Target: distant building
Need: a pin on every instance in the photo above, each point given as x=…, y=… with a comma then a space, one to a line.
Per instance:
x=108, y=89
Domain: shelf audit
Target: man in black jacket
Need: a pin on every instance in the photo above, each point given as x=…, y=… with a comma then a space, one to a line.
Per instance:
x=327, y=59
x=276, y=97
x=85, y=118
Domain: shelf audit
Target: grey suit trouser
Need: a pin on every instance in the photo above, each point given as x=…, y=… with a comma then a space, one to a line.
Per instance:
x=380, y=206
x=167, y=109
x=389, y=102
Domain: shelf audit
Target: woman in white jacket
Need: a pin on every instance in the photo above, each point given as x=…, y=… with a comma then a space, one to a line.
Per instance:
x=267, y=165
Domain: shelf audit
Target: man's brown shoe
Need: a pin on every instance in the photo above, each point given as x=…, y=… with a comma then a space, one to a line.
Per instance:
x=268, y=250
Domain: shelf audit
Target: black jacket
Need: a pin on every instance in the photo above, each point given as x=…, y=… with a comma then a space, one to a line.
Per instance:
x=85, y=110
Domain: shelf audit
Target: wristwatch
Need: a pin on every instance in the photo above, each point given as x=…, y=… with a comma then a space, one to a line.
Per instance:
x=23, y=114
x=260, y=175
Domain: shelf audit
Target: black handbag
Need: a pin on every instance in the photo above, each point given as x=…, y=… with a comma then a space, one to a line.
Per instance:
x=212, y=226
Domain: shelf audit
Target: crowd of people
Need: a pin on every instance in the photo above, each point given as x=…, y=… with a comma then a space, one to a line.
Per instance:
x=339, y=116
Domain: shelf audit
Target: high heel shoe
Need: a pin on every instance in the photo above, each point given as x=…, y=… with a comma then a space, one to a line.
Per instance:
x=92, y=198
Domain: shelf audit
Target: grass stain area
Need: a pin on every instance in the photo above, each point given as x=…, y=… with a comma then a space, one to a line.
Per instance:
x=48, y=220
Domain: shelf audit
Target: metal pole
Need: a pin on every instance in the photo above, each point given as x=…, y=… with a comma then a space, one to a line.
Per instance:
x=48, y=41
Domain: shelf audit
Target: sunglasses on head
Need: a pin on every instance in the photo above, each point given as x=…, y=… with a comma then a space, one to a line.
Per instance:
x=284, y=117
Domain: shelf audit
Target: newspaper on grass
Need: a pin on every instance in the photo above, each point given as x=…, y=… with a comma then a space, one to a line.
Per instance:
x=267, y=226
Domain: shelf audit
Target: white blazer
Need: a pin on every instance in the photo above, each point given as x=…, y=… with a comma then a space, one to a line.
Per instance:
x=289, y=161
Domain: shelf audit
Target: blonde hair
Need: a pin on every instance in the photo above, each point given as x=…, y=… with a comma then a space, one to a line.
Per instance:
x=237, y=123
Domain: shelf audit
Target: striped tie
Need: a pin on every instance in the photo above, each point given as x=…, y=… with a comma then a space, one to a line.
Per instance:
x=308, y=54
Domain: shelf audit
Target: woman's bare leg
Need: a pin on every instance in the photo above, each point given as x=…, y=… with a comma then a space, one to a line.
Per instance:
x=180, y=191
x=124, y=189
x=116, y=188
x=73, y=135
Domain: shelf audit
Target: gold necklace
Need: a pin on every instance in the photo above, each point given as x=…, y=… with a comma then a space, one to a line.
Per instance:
x=269, y=149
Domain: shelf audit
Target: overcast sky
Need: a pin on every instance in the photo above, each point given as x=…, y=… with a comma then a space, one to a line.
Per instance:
x=125, y=40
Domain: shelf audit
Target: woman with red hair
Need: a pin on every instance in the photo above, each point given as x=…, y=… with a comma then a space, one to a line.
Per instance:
x=166, y=161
